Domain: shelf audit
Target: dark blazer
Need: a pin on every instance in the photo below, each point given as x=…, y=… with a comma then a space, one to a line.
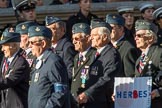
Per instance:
x=65, y=49
x=154, y=55
x=99, y=85
x=18, y=78
x=129, y=55
x=76, y=80
x=43, y=92
x=78, y=18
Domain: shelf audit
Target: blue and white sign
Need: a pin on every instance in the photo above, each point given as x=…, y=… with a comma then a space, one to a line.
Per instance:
x=132, y=92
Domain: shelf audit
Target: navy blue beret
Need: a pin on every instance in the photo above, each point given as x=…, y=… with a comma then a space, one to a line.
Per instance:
x=99, y=23
x=35, y=31
x=115, y=19
x=8, y=37
x=125, y=9
x=81, y=28
x=157, y=14
x=50, y=20
x=23, y=27
x=146, y=5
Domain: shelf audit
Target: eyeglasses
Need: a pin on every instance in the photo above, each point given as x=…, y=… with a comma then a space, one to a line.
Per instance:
x=140, y=35
x=78, y=39
x=34, y=42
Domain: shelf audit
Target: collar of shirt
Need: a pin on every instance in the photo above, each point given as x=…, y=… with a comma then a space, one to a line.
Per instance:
x=40, y=57
x=11, y=58
x=54, y=45
x=100, y=50
x=84, y=52
x=28, y=51
x=146, y=51
x=115, y=43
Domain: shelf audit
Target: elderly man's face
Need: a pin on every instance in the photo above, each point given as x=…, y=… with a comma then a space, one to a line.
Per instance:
x=97, y=40
x=142, y=41
x=56, y=31
x=8, y=49
x=36, y=46
x=80, y=41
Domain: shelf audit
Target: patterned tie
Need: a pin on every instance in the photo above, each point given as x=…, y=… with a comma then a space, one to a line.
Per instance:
x=5, y=66
x=141, y=63
x=80, y=59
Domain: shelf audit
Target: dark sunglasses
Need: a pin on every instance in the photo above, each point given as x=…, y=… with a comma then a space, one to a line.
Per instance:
x=34, y=42
x=140, y=35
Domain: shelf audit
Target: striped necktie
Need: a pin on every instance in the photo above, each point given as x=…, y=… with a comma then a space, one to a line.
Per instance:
x=80, y=59
x=5, y=66
x=141, y=63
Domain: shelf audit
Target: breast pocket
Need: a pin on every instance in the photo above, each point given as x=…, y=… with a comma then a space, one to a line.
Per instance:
x=60, y=53
x=94, y=70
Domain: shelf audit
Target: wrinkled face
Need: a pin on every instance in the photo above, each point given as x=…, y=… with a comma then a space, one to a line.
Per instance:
x=116, y=32
x=28, y=15
x=79, y=41
x=4, y=3
x=56, y=31
x=96, y=38
x=147, y=15
x=8, y=49
x=129, y=18
x=85, y=5
x=24, y=41
x=36, y=46
x=141, y=39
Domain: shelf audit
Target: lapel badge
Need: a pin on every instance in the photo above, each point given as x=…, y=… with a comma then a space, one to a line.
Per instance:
x=37, y=29
x=36, y=77
x=84, y=58
x=146, y=59
x=39, y=64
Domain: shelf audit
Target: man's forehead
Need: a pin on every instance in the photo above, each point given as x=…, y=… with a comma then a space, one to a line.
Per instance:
x=33, y=38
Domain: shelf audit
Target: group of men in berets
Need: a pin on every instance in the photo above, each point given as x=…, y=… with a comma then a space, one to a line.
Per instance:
x=44, y=67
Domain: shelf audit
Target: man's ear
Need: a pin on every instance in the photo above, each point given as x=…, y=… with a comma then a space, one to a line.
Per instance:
x=44, y=44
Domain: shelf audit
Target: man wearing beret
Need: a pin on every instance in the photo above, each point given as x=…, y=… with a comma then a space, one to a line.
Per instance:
x=49, y=82
x=128, y=52
x=104, y=67
x=146, y=9
x=61, y=44
x=22, y=28
x=26, y=10
x=82, y=61
x=14, y=74
x=83, y=16
x=157, y=14
x=150, y=61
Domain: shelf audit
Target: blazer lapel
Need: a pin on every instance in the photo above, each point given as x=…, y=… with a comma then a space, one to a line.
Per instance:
x=88, y=58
